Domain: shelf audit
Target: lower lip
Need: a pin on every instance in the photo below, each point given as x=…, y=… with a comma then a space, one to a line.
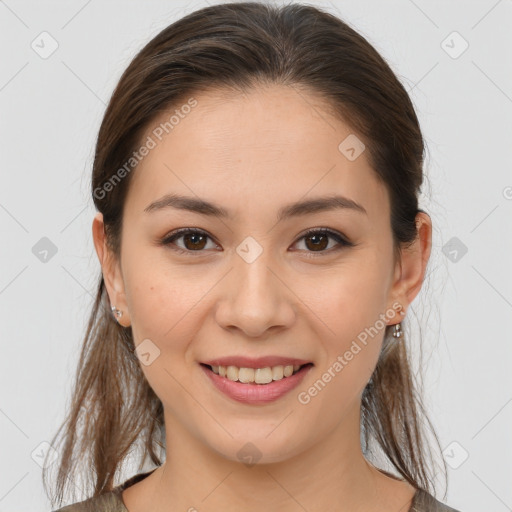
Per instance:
x=255, y=394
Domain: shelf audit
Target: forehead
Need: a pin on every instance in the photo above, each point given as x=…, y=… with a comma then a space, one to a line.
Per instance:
x=252, y=149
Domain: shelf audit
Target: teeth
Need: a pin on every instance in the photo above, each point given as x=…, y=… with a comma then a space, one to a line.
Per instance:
x=257, y=375
x=262, y=375
x=277, y=372
x=246, y=375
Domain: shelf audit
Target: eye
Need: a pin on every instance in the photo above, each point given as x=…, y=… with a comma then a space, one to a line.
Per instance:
x=195, y=240
x=318, y=240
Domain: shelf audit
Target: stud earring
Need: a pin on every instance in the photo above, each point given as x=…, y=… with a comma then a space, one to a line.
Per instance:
x=116, y=312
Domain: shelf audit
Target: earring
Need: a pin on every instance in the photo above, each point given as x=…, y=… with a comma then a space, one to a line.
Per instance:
x=397, y=331
x=117, y=312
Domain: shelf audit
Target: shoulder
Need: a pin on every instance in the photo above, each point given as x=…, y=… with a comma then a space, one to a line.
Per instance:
x=425, y=502
x=108, y=502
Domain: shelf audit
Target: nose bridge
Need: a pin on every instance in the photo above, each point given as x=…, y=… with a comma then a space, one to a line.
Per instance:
x=256, y=299
x=254, y=277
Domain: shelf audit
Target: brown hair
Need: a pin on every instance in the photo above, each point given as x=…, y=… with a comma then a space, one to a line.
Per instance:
x=238, y=47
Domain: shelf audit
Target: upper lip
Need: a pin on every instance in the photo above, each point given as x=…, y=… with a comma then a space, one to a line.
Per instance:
x=258, y=362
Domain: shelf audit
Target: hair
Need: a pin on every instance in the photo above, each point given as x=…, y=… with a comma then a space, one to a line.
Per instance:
x=238, y=47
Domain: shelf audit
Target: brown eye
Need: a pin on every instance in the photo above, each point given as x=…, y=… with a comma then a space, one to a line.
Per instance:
x=193, y=240
x=196, y=241
x=317, y=240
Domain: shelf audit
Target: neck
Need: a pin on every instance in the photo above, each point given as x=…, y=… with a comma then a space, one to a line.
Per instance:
x=331, y=474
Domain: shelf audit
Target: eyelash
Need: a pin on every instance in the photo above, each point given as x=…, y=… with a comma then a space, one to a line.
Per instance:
x=342, y=242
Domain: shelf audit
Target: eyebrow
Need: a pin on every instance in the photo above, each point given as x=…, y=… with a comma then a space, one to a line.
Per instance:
x=308, y=206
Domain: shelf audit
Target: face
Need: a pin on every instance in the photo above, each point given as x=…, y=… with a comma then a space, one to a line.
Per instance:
x=250, y=283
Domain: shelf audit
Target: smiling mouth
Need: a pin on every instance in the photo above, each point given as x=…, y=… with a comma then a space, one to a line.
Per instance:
x=256, y=375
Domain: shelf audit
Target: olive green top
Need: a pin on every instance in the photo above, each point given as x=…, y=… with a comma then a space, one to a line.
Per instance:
x=112, y=501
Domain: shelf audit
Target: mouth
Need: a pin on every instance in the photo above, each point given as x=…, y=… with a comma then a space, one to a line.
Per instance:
x=256, y=376
x=256, y=388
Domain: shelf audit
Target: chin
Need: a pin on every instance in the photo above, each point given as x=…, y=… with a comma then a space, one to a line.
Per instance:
x=259, y=449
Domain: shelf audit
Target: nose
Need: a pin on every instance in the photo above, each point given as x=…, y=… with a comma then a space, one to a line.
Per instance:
x=255, y=298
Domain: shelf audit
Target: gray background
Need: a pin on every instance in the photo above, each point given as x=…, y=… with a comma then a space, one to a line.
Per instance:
x=51, y=109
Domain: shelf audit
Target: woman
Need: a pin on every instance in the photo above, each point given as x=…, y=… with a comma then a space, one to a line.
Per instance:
x=256, y=177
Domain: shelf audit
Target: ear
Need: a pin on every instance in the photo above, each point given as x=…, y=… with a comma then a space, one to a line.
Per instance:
x=111, y=269
x=410, y=268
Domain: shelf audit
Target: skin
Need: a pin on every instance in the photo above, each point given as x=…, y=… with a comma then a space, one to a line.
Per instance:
x=253, y=154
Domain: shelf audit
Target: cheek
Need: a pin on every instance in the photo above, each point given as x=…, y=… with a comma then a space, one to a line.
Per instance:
x=154, y=295
x=349, y=357
x=164, y=321
x=348, y=306
x=347, y=299
x=166, y=303
x=159, y=307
